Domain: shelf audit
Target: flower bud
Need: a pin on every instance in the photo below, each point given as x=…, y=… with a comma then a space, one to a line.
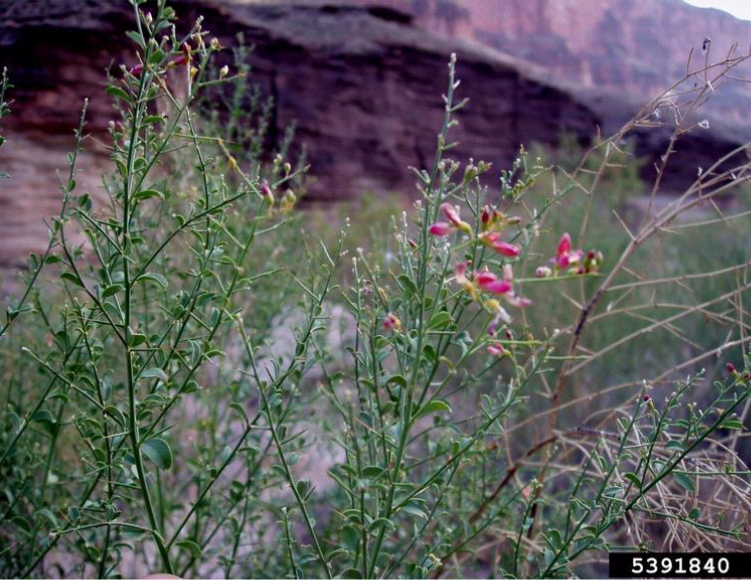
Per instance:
x=266, y=193
x=470, y=172
x=223, y=71
x=486, y=215
x=289, y=199
x=543, y=272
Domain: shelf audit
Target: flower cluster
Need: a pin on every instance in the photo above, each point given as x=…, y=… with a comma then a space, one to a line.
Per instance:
x=286, y=203
x=570, y=261
x=493, y=222
x=486, y=282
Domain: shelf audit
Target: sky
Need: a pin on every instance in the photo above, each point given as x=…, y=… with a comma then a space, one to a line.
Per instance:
x=738, y=8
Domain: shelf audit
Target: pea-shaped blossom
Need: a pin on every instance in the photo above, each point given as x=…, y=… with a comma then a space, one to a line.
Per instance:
x=392, y=323
x=486, y=282
x=496, y=349
x=493, y=223
x=489, y=282
x=565, y=255
x=492, y=240
x=572, y=261
x=445, y=228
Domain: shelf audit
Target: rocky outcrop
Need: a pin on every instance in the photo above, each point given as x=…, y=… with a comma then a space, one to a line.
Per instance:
x=363, y=81
x=615, y=55
x=636, y=47
x=363, y=85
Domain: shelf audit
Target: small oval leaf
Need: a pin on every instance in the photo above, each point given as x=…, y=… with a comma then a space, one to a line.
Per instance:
x=158, y=451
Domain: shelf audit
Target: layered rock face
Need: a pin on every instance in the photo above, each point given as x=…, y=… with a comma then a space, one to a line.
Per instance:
x=635, y=47
x=615, y=56
x=363, y=80
x=363, y=85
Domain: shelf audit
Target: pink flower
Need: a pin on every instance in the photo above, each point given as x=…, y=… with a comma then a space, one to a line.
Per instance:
x=497, y=287
x=489, y=282
x=564, y=245
x=440, y=229
x=444, y=228
x=485, y=277
x=543, y=272
x=565, y=255
x=452, y=214
x=496, y=349
x=506, y=249
x=573, y=261
x=517, y=301
x=492, y=239
x=392, y=322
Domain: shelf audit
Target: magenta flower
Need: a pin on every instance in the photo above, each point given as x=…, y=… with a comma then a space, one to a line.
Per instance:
x=392, y=322
x=485, y=277
x=506, y=249
x=441, y=229
x=493, y=240
x=573, y=261
x=452, y=214
x=496, y=349
x=565, y=255
x=489, y=282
